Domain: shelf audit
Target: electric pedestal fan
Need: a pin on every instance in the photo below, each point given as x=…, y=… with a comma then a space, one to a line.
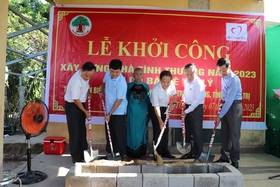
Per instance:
x=33, y=121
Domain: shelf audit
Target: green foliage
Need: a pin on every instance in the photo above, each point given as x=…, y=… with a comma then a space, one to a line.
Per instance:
x=80, y=20
x=27, y=44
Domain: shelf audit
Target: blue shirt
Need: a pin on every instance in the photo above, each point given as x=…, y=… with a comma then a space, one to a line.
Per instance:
x=231, y=91
x=115, y=88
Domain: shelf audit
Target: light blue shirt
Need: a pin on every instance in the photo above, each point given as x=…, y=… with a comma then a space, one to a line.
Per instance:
x=115, y=88
x=231, y=91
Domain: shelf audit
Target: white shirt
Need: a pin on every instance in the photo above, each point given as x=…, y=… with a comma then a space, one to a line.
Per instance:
x=160, y=97
x=194, y=93
x=77, y=88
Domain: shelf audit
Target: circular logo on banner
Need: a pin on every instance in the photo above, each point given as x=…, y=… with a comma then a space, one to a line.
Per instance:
x=80, y=25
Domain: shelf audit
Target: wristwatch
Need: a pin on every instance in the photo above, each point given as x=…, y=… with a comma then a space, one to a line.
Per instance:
x=174, y=103
x=108, y=114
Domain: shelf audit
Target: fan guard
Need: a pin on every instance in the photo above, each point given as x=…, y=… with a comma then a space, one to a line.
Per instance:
x=33, y=121
x=34, y=118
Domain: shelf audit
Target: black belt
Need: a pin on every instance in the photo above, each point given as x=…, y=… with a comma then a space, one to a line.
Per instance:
x=72, y=102
x=235, y=101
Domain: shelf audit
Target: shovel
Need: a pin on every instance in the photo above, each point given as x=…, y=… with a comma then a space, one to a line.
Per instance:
x=90, y=155
x=157, y=157
x=185, y=148
x=112, y=155
x=207, y=157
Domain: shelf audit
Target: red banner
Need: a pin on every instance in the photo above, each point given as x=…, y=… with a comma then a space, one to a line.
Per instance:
x=157, y=40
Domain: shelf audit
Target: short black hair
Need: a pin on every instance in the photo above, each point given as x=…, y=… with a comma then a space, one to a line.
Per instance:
x=223, y=61
x=115, y=64
x=190, y=66
x=88, y=66
x=165, y=73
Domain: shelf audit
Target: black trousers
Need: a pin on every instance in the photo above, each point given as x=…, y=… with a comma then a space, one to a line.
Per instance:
x=194, y=132
x=230, y=131
x=162, y=148
x=117, y=126
x=77, y=131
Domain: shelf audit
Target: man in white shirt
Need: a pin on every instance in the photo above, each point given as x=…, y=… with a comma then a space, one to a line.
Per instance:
x=75, y=97
x=161, y=93
x=192, y=101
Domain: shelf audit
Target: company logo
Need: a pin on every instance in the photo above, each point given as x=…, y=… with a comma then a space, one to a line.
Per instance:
x=80, y=25
x=236, y=32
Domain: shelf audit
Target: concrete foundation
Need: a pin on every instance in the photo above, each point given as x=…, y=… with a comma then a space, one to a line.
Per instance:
x=117, y=174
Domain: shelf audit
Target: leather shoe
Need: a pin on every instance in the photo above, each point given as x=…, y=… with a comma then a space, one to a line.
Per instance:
x=169, y=156
x=235, y=164
x=221, y=160
x=187, y=156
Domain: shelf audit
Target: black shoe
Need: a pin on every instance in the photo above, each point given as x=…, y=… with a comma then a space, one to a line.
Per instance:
x=221, y=160
x=235, y=164
x=187, y=156
x=169, y=156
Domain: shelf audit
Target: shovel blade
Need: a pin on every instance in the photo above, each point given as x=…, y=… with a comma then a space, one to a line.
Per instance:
x=87, y=156
x=90, y=155
x=113, y=157
x=203, y=157
x=183, y=149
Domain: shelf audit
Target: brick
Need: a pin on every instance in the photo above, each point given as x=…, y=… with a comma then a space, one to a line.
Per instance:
x=206, y=179
x=107, y=169
x=216, y=167
x=129, y=179
x=130, y=169
x=152, y=168
x=179, y=180
x=155, y=180
x=174, y=169
x=88, y=168
x=74, y=179
x=103, y=179
x=197, y=168
x=231, y=177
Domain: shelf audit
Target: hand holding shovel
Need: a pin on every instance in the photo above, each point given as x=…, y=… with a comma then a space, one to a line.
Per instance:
x=156, y=155
x=185, y=148
x=207, y=157
x=114, y=156
x=88, y=154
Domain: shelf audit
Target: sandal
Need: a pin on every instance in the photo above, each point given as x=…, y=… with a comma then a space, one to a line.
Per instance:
x=187, y=156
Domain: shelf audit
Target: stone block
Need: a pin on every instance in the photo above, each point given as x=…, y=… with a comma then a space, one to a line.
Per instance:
x=77, y=179
x=231, y=177
x=129, y=179
x=130, y=169
x=88, y=168
x=174, y=169
x=179, y=180
x=206, y=179
x=107, y=169
x=197, y=168
x=216, y=167
x=103, y=179
x=155, y=180
x=152, y=168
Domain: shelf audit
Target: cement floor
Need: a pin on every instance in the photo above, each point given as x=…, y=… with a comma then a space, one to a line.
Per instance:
x=256, y=167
